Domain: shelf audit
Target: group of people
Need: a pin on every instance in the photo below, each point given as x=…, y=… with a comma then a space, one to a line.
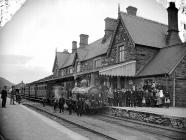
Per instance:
x=70, y=105
x=14, y=96
x=151, y=95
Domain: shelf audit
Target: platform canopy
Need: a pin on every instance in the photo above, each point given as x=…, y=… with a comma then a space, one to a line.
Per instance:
x=124, y=69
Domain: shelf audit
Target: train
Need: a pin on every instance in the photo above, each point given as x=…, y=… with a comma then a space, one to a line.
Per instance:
x=92, y=96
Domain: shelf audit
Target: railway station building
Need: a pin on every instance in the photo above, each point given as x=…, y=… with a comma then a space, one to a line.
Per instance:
x=133, y=53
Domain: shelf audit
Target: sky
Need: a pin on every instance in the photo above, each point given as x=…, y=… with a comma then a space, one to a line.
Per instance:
x=29, y=40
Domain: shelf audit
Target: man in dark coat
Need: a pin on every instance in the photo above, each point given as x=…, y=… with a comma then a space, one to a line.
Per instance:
x=61, y=104
x=4, y=96
x=12, y=96
x=55, y=104
x=70, y=105
x=80, y=105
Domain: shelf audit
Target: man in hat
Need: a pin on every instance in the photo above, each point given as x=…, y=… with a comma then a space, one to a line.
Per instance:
x=4, y=96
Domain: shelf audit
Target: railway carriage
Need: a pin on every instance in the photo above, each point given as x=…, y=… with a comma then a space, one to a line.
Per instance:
x=41, y=91
x=27, y=91
x=92, y=96
x=33, y=90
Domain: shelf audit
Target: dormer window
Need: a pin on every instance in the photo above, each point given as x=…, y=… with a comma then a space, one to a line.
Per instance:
x=184, y=26
x=121, y=53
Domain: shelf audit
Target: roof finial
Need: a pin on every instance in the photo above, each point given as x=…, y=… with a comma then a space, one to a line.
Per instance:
x=118, y=9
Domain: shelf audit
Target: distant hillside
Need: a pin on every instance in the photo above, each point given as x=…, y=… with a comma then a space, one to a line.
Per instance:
x=4, y=82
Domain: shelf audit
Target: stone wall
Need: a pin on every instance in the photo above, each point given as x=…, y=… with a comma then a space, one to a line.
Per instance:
x=180, y=73
x=181, y=69
x=121, y=38
x=163, y=120
x=180, y=92
x=143, y=55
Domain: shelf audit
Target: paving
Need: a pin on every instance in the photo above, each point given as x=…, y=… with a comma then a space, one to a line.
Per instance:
x=18, y=122
x=21, y=123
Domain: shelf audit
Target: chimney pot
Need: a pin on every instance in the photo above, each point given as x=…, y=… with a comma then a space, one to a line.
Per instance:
x=74, y=46
x=65, y=51
x=131, y=10
x=83, y=40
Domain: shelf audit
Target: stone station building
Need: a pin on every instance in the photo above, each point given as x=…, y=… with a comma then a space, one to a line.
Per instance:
x=132, y=51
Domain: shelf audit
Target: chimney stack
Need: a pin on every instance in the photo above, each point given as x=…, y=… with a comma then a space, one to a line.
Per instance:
x=83, y=40
x=74, y=46
x=173, y=36
x=110, y=24
x=65, y=51
x=131, y=10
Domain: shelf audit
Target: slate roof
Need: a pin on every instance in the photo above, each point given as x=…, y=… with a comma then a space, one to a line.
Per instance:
x=165, y=61
x=144, y=31
x=69, y=60
x=61, y=58
x=96, y=48
x=43, y=79
x=90, y=51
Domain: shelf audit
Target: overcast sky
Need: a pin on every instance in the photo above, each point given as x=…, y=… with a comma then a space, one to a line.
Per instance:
x=29, y=40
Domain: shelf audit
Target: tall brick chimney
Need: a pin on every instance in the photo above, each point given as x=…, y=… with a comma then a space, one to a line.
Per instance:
x=110, y=24
x=131, y=10
x=74, y=46
x=83, y=40
x=173, y=36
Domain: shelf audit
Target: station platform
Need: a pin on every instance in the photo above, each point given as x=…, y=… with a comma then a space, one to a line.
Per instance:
x=172, y=117
x=18, y=122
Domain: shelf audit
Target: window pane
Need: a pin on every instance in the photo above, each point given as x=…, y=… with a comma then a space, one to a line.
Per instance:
x=121, y=53
x=98, y=63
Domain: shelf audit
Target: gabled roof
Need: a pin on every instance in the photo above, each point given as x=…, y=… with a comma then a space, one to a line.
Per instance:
x=81, y=52
x=61, y=58
x=97, y=48
x=92, y=50
x=144, y=31
x=69, y=60
x=165, y=61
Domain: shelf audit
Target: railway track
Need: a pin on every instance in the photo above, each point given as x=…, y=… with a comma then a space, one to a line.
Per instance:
x=72, y=124
x=125, y=123
x=152, y=129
